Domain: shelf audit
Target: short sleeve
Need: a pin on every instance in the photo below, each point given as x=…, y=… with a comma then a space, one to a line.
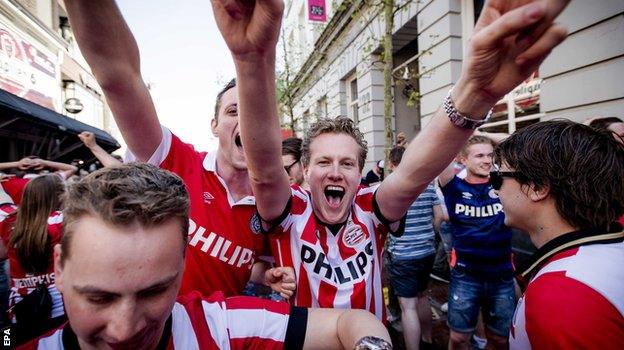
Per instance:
x=268, y=329
x=159, y=154
x=431, y=191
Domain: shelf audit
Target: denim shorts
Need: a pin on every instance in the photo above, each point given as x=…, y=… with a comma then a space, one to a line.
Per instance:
x=409, y=278
x=467, y=294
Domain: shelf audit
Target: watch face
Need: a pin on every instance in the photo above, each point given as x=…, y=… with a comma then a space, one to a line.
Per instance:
x=372, y=343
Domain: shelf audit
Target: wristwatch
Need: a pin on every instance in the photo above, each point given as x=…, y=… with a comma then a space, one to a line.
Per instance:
x=372, y=343
x=459, y=119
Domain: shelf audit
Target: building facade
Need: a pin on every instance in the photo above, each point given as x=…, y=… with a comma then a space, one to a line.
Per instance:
x=341, y=73
x=40, y=62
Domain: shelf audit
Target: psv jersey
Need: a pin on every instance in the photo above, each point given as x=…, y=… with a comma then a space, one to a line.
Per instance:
x=333, y=271
x=575, y=301
x=22, y=282
x=213, y=323
x=222, y=242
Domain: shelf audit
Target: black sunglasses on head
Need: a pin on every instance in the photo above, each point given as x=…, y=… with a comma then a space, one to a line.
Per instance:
x=496, y=177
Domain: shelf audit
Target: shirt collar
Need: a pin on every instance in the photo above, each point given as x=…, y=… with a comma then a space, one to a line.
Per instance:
x=568, y=241
x=210, y=164
x=210, y=161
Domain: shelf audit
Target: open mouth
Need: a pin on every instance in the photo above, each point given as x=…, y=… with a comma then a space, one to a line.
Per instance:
x=237, y=141
x=334, y=195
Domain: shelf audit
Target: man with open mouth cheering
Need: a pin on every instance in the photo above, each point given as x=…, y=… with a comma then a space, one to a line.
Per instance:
x=331, y=234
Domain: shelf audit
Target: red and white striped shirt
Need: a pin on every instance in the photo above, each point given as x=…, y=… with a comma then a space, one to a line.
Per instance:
x=211, y=323
x=575, y=301
x=333, y=271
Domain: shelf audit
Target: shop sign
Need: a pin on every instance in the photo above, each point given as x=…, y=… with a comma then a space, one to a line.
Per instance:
x=27, y=71
x=317, y=11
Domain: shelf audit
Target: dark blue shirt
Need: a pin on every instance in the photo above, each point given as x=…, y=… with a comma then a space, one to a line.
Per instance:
x=481, y=241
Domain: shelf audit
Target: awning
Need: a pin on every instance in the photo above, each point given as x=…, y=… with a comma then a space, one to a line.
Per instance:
x=29, y=129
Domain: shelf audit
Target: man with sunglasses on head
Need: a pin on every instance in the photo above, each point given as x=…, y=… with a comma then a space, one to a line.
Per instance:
x=481, y=267
x=562, y=183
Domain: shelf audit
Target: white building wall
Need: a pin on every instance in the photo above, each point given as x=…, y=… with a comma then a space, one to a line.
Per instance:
x=582, y=77
x=584, y=74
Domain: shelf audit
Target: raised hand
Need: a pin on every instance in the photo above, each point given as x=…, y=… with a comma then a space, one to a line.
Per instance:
x=281, y=280
x=87, y=138
x=250, y=27
x=510, y=41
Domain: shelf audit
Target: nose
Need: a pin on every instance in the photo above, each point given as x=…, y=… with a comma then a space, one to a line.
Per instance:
x=334, y=173
x=125, y=322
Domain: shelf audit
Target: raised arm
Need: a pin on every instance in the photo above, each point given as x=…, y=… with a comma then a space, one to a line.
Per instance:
x=113, y=55
x=63, y=169
x=341, y=329
x=89, y=141
x=511, y=39
x=251, y=30
x=22, y=164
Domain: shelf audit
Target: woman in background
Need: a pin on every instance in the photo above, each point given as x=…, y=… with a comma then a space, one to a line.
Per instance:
x=29, y=234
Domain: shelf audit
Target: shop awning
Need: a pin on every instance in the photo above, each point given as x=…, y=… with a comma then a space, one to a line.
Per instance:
x=29, y=129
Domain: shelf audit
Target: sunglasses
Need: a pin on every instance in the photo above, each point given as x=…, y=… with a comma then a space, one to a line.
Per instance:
x=287, y=167
x=496, y=177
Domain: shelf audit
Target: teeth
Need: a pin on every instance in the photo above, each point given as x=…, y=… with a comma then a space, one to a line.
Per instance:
x=334, y=188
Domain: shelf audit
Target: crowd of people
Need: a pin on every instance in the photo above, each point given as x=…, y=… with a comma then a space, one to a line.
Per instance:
x=157, y=251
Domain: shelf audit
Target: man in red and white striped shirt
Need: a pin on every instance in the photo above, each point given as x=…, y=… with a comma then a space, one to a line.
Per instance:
x=120, y=264
x=561, y=182
x=331, y=235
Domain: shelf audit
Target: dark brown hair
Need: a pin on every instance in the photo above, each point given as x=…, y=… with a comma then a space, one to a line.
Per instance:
x=340, y=125
x=396, y=154
x=292, y=146
x=603, y=123
x=126, y=194
x=42, y=196
x=582, y=167
x=230, y=85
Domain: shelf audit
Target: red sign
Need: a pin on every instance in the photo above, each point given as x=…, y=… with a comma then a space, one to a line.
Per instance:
x=26, y=71
x=317, y=11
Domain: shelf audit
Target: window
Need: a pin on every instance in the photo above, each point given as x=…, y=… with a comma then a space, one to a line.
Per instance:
x=517, y=109
x=352, y=99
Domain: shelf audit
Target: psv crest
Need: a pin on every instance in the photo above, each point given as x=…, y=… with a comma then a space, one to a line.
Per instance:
x=255, y=223
x=353, y=235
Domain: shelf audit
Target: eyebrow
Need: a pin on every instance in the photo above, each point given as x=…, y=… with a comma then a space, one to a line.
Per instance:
x=90, y=289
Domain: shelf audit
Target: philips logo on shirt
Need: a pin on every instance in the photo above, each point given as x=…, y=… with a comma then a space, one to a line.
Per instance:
x=467, y=195
x=478, y=212
x=219, y=247
x=349, y=270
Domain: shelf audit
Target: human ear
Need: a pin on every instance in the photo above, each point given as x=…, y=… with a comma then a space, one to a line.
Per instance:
x=540, y=193
x=213, y=127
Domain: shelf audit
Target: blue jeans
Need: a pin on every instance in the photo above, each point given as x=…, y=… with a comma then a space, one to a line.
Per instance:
x=468, y=294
